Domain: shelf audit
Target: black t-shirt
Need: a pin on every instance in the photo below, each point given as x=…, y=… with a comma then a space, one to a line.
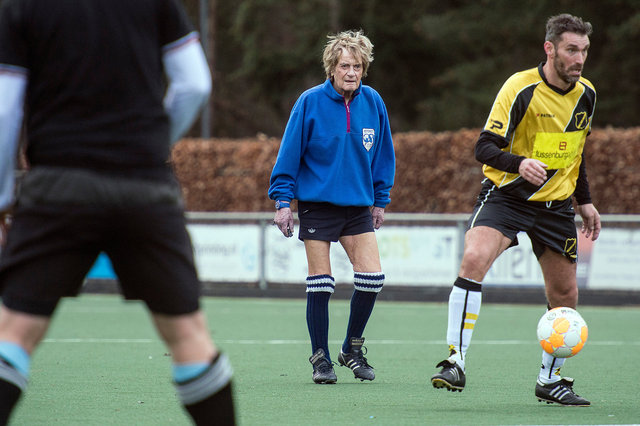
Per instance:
x=96, y=80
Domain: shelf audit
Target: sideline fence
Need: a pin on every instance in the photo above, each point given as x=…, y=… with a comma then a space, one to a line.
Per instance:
x=243, y=254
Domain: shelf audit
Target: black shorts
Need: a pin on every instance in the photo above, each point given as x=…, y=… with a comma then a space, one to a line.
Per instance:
x=548, y=224
x=328, y=222
x=51, y=248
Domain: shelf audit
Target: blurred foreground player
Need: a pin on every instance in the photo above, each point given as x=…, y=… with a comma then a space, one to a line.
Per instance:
x=532, y=150
x=100, y=123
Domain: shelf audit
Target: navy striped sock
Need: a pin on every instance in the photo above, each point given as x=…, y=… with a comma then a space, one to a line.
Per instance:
x=367, y=287
x=319, y=290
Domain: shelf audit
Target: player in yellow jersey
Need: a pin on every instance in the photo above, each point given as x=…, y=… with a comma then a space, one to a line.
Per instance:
x=532, y=153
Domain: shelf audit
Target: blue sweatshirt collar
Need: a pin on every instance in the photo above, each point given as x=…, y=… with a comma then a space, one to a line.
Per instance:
x=328, y=88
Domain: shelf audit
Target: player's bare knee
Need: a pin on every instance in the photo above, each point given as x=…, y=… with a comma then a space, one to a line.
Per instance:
x=474, y=266
x=563, y=296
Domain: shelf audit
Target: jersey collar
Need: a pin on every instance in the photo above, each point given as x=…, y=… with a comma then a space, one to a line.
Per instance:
x=331, y=91
x=554, y=88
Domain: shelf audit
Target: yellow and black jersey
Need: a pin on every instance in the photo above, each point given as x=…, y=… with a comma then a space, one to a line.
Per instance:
x=538, y=120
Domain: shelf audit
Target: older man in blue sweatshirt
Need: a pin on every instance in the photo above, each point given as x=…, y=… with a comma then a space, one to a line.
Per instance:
x=337, y=160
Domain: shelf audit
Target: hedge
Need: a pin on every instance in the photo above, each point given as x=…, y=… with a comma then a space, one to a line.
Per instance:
x=436, y=172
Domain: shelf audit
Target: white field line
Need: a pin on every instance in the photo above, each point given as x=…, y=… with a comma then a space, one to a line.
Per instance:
x=411, y=342
x=96, y=340
x=305, y=342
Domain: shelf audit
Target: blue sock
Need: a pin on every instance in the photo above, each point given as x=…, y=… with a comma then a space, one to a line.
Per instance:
x=188, y=371
x=367, y=287
x=16, y=356
x=319, y=290
x=206, y=394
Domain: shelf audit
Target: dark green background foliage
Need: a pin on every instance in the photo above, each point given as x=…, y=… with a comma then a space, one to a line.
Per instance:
x=438, y=64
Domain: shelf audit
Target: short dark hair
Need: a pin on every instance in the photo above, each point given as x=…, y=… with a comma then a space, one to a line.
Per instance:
x=563, y=23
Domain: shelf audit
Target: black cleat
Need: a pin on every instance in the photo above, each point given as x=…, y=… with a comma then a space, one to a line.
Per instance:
x=322, y=368
x=451, y=377
x=560, y=392
x=356, y=361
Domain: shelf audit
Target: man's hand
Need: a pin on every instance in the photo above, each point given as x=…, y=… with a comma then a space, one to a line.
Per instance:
x=284, y=221
x=377, y=213
x=590, y=221
x=533, y=171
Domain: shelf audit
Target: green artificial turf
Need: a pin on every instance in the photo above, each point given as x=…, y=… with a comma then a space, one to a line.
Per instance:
x=103, y=364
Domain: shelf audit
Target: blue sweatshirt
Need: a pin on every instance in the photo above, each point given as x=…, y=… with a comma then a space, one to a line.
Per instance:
x=336, y=153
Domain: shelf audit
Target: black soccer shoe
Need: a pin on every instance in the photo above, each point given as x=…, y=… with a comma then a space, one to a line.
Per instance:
x=356, y=361
x=322, y=368
x=451, y=377
x=560, y=392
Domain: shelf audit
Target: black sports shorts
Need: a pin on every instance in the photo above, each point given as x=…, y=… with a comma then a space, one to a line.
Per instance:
x=328, y=222
x=52, y=246
x=548, y=224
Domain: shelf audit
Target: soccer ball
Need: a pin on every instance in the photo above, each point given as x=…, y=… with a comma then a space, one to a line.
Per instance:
x=562, y=332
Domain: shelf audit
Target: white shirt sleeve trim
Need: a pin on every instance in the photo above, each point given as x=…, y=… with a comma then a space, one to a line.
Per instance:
x=13, y=86
x=189, y=38
x=189, y=86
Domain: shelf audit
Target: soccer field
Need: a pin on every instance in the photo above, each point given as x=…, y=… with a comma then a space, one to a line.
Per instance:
x=102, y=364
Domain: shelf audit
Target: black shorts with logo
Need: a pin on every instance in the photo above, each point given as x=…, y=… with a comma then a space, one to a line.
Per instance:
x=63, y=220
x=328, y=222
x=548, y=224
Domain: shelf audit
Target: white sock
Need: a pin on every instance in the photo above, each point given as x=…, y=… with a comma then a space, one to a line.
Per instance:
x=464, y=307
x=550, y=369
